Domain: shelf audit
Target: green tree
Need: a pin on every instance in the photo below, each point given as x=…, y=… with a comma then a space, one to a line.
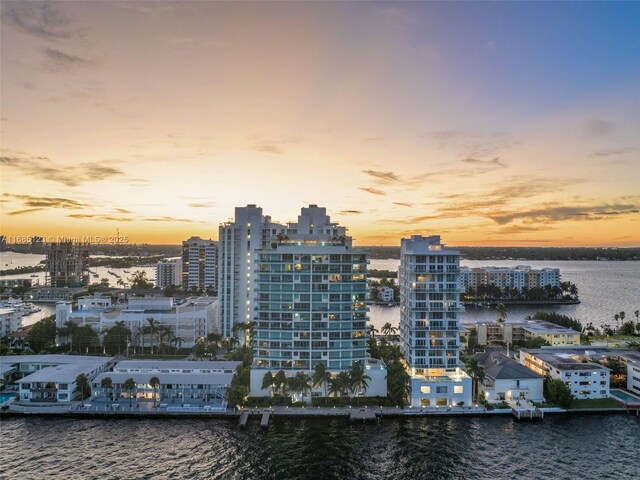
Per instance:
x=335, y=389
x=280, y=381
x=321, y=377
x=555, y=391
x=476, y=372
x=359, y=380
x=116, y=338
x=42, y=334
x=372, y=330
x=152, y=329
x=303, y=383
x=154, y=383
x=398, y=383
x=502, y=313
x=129, y=385
x=535, y=342
x=267, y=382
x=139, y=280
x=107, y=384
x=388, y=329
x=83, y=387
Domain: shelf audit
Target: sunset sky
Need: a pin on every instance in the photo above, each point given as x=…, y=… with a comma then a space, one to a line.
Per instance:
x=488, y=123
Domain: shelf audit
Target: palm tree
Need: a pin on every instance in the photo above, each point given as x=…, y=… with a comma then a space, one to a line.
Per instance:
x=152, y=328
x=280, y=381
x=477, y=373
x=267, y=381
x=637, y=314
x=303, y=383
x=502, y=313
x=106, y=383
x=372, y=331
x=129, y=385
x=83, y=387
x=344, y=380
x=321, y=377
x=388, y=329
x=358, y=379
x=335, y=389
x=616, y=317
x=154, y=383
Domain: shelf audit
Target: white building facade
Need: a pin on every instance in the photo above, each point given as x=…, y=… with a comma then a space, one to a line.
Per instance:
x=169, y=273
x=429, y=322
x=10, y=321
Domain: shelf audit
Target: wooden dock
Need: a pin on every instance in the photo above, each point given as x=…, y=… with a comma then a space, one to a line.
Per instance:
x=244, y=418
x=363, y=414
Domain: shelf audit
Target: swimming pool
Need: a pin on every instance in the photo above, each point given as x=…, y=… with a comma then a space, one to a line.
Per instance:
x=625, y=396
x=5, y=397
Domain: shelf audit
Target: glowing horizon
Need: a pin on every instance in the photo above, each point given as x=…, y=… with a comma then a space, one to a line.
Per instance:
x=464, y=120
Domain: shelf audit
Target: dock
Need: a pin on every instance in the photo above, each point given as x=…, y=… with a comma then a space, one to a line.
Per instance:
x=244, y=418
x=363, y=414
x=527, y=413
x=264, y=421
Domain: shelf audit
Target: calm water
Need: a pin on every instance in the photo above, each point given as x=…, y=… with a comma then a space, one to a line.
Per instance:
x=605, y=288
x=582, y=446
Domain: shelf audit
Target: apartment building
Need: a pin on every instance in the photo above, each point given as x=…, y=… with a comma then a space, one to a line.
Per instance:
x=199, y=264
x=429, y=322
x=169, y=273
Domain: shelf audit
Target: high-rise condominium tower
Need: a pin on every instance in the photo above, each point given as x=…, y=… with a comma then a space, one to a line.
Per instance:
x=429, y=322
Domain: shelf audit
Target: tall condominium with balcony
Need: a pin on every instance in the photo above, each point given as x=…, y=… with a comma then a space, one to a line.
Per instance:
x=429, y=322
x=199, y=264
x=304, y=286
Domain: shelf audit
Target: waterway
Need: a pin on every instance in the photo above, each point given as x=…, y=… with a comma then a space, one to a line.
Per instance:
x=562, y=446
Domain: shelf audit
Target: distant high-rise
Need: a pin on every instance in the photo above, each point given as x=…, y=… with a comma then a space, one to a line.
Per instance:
x=67, y=264
x=199, y=264
x=169, y=273
x=429, y=322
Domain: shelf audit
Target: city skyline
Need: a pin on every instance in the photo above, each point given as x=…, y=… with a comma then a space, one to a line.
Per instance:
x=491, y=124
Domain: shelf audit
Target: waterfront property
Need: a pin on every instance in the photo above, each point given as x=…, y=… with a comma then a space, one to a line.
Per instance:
x=519, y=331
x=179, y=380
x=429, y=322
x=10, y=321
x=50, y=378
x=67, y=264
x=585, y=379
x=188, y=320
x=519, y=278
x=506, y=380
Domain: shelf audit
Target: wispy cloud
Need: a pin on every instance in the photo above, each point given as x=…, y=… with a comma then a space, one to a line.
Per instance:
x=553, y=213
x=114, y=218
x=610, y=152
x=46, y=202
x=350, y=212
x=41, y=19
x=382, y=178
x=61, y=60
x=596, y=128
x=494, y=162
x=267, y=148
x=202, y=204
x=69, y=175
x=27, y=210
x=374, y=191
x=403, y=204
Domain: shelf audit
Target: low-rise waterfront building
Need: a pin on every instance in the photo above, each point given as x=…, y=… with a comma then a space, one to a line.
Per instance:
x=179, y=380
x=50, y=378
x=507, y=380
x=10, y=321
x=585, y=379
x=188, y=320
x=53, y=294
x=519, y=331
x=520, y=277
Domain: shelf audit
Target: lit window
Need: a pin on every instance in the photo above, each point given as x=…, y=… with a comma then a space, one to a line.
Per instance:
x=425, y=389
x=458, y=389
